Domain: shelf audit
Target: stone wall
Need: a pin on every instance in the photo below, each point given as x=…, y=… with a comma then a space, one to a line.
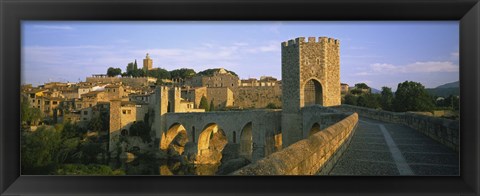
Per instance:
x=258, y=96
x=443, y=130
x=217, y=80
x=308, y=156
x=320, y=61
x=194, y=95
x=130, y=81
x=221, y=96
x=319, y=116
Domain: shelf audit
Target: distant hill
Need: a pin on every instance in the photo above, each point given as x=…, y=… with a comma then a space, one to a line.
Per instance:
x=445, y=90
x=450, y=85
x=375, y=91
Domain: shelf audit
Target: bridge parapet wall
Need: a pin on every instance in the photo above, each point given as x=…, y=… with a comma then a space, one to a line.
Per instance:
x=445, y=131
x=316, y=153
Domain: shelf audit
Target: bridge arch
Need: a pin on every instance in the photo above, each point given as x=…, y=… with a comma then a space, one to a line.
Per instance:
x=246, y=141
x=312, y=92
x=211, y=142
x=171, y=134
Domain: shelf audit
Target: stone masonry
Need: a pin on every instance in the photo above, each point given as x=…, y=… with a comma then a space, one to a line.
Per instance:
x=302, y=62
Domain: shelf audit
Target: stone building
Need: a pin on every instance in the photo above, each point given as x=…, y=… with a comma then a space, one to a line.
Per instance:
x=194, y=94
x=147, y=63
x=258, y=96
x=83, y=89
x=222, y=97
x=122, y=115
x=114, y=91
x=46, y=100
x=344, y=88
x=310, y=75
x=91, y=99
x=220, y=78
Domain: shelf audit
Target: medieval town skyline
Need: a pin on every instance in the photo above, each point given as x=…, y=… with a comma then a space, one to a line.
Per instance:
x=426, y=52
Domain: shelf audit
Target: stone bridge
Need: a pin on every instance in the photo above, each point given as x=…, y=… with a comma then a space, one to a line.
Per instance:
x=254, y=134
x=253, y=131
x=368, y=142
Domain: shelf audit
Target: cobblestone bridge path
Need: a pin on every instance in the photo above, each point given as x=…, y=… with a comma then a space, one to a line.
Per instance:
x=379, y=148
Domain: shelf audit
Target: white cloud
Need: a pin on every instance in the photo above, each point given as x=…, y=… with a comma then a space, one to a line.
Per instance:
x=417, y=67
x=53, y=27
x=455, y=54
x=269, y=47
x=363, y=73
x=240, y=44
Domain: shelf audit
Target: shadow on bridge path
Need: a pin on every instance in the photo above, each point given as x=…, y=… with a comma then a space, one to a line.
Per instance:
x=380, y=148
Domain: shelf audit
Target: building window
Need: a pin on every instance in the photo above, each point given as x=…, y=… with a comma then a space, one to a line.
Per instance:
x=193, y=134
x=113, y=90
x=90, y=105
x=33, y=101
x=47, y=102
x=55, y=102
x=32, y=95
x=129, y=111
x=39, y=101
x=85, y=112
x=124, y=111
x=84, y=118
x=234, y=137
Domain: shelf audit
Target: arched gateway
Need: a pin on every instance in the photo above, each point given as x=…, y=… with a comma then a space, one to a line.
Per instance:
x=310, y=75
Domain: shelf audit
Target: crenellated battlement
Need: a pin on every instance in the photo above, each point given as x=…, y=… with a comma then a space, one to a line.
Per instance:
x=320, y=40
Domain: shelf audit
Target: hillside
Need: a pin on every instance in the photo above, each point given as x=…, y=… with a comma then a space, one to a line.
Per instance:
x=450, y=85
x=445, y=90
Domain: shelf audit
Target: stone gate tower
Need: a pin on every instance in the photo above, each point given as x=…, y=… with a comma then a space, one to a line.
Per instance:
x=310, y=75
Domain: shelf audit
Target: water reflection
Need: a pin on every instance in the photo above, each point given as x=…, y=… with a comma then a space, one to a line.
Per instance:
x=163, y=167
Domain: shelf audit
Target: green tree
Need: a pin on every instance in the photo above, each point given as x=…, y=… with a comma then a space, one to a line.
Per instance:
x=39, y=150
x=386, y=100
x=212, y=106
x=351, y=99
x=88, y=152
x=159, y=73
x=271, y=106
x=412, y=96
x=29, y=115
x=356, y=91
x=182, y=73
x=96, y=124
x=91, y=169
x=204, y=103
x=142, y=130
x=369, y=100
x=452, y=102
x=362, y=86
x=130, y=69
x=209, y=72
x=112, y=72
x=135, y=67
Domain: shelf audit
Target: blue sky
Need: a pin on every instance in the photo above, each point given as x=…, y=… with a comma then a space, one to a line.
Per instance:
x=377, y=53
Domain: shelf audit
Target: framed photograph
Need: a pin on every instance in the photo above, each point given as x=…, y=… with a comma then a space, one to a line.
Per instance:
x=212, y=97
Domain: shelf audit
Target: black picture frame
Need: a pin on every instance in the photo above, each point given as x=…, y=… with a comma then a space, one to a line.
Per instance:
x=14, y=11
